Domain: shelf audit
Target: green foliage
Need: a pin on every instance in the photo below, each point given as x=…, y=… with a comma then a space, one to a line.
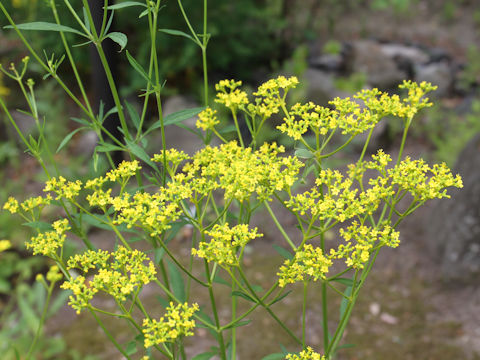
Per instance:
x=449, y=132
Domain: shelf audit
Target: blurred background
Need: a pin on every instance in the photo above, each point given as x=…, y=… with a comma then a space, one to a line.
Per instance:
x=423, y=299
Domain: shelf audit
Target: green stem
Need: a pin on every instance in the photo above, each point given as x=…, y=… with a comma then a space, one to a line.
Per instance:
x=279, y=226
x=304, y=311
x=42, y=321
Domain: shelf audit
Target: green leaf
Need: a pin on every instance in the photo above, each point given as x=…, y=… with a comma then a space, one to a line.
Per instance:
x=120, y=38
x=240, y=323
x=181, y=115
x=276, y=356
x=205, y=356
x=344, y=281
x=345, y=301
x=158, y=254
x=133, y=114
x=175, y=118
x=81, y=121
x=131, y=348
x=67, y=138
x=39, y=225
x=243, y=295
x=125, y=4
x=28, y=313
x=284, y=295
x=140, y=153
x=283, y=252
x=45, y=26
x=303, y=153
x=176, y=33
x=106, y=147
x=176, y=280
x=217, y=279
x=137, y=67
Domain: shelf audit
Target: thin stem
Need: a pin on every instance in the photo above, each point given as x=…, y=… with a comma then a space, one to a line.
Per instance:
x=304, y=311
x=279, y=226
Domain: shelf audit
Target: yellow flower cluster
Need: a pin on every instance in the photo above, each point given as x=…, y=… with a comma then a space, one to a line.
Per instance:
x=229, y=95
x=307, y=354
x=5, y=245
x=152, y=212
x=422, y=181
x=336, y=197
x=173, y=157
x=124, y=171
x=62, y=188
x=54, y=275
x=308, y=263
x=360, y=240
x=240, y=172
x=207, y=119
x=352, y=118
x=11, y=205
x=177, y=322
x=273, y=88
x=118, y=274
x=48, y=242
x=225, y=243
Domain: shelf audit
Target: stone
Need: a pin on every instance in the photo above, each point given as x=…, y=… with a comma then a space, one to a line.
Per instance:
x=382, y=72
x=320, y=87
x=438, y=73
x=453, y=230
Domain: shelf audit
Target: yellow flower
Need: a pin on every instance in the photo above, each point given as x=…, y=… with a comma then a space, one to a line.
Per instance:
x=5, y=245
x=225, y=243
x=176, y=323
x=309, y=263
x=307, y=354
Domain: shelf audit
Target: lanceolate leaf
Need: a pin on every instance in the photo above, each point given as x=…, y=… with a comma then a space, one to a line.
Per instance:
x=67, y=138
x=126, y=4
x=46, y=26
x=120, y=38
x=176, y=33
x=175, y=118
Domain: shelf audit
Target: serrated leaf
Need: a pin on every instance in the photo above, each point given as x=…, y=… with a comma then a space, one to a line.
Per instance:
x=276, y=356
x=343, y=281
x=67, y=138
x=283, y=252
x=120, y=38
x=125, y=4
x=45, y=26
x=176, y=33
x=176, y=281
x=243, y=295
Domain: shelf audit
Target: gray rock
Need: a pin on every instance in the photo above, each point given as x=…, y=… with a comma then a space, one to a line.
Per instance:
x=320, y=87
x=438, y=73
x=454, y=225
x=412, y=54
x=381, y=69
